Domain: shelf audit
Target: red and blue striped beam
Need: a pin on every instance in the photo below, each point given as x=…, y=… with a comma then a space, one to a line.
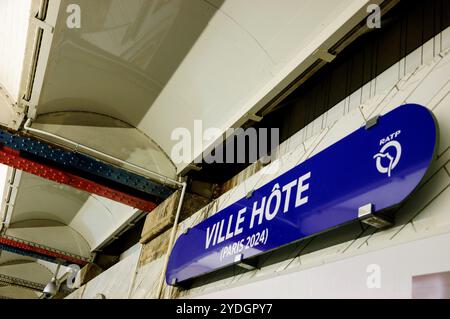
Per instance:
x=80, y=171
x=25, y=248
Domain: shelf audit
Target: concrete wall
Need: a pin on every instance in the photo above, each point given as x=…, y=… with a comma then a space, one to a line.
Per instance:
x=339, y=263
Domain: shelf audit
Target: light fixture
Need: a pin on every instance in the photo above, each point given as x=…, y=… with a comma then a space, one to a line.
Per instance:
x=52, y=287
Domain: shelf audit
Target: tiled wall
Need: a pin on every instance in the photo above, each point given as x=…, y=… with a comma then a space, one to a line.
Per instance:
x=334, y=264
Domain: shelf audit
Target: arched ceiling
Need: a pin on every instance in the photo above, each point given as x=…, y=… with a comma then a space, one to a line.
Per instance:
x=14, y=292
x=64, y=218
x=107, y=135
x=24, y=277
x=160, y=65
x=26, y=270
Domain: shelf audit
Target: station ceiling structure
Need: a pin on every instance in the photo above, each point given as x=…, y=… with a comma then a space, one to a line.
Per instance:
x=87, y=114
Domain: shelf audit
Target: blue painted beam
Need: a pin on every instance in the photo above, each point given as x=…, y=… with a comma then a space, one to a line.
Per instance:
x=77, y=163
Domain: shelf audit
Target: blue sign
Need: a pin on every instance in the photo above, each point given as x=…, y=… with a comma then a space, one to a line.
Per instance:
x=377, y=166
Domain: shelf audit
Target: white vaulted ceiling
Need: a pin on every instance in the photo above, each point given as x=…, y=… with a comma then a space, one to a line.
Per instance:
x=159, y=65
x=18, y=269
x=56, y=215
x=135, y=71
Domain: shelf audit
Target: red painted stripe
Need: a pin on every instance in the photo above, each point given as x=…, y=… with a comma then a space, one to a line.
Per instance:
x=41, y=251
x=12, y=158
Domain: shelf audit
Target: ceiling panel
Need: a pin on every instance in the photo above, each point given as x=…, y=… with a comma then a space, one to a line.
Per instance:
x=64, y=218
x=14, y=20
x=160, y=65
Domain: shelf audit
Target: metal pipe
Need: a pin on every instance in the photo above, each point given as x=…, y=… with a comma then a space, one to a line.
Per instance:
x=161, y=178
x=133, y=278
x=7, y=197
x=165, y=180
x=57, y=269
x=171, y=240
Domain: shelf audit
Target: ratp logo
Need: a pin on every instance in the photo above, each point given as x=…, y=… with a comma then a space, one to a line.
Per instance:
x=389, y=155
